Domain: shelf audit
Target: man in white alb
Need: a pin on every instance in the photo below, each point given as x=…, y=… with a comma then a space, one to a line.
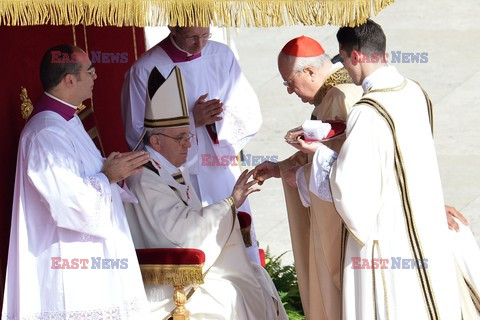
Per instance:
x=71, y=255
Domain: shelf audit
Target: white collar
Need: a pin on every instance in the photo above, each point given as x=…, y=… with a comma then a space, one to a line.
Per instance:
x=384, y=77
x=167, y=165
x=176, y=46
x=335, y=67
x=60, y=100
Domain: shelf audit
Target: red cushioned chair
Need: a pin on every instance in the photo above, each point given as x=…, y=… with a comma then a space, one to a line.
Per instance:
x=177, y=267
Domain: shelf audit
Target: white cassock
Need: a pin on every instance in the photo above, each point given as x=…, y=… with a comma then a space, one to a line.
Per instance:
x=65, y=208
x=217, y=73
x=389, y=195
x=170, y=215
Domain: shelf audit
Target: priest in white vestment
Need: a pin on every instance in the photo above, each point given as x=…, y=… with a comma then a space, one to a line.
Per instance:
x=71, y=255
x=224, y=108
x=385, y=184
x=170, y=215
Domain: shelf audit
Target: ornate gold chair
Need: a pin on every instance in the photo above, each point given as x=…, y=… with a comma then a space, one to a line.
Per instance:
x=178, y=267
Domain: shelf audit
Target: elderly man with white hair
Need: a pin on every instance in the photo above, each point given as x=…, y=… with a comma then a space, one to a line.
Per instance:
x=315, y=227
x=169, y=214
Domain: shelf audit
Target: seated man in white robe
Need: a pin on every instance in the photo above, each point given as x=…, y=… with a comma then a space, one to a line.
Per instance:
x=170, y=215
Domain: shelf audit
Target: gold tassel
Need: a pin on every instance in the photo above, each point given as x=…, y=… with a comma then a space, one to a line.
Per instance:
x=176, y=275
x=26, y=107
x=223, y=13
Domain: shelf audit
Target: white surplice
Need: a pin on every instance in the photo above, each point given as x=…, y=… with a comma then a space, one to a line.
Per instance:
x=366, y=194
x=65, y=208
x=217, y=73
x=170, y=215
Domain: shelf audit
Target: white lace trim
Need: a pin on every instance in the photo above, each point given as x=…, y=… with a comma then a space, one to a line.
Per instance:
x=130, y=310
x=94, y=221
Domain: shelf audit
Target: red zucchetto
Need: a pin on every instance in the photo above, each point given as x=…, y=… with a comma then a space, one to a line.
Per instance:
x=303, y=47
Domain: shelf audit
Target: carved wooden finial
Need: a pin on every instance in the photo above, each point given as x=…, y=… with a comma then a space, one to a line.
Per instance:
x=27, y=107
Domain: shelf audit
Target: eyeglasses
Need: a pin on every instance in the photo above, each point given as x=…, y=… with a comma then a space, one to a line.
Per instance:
x=91, y=71
x=203, y=37
x=181, y=140
x=288, y=83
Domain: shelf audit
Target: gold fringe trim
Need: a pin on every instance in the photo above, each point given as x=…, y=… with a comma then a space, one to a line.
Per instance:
x=176, y=275
x=223, y=13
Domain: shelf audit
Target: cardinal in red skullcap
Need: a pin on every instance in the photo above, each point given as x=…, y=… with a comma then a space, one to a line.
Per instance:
x=303, y=47
x=315, y=226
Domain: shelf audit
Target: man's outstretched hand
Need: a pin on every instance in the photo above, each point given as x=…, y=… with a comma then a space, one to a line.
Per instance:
x=243, y=188
x=306, y=147
x=451, y=213
x=265, y=171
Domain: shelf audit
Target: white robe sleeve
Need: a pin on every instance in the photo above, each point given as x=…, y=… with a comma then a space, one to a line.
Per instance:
x=302, y=187
x=319, y=176
x=357, y=176
x=76, y=201
x=163, y=215
x=242, y=116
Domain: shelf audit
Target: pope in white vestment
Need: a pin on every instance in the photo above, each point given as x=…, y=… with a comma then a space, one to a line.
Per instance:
x=213, y=70
x=170, y=215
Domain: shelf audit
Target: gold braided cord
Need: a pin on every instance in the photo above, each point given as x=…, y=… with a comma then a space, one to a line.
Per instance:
x=222, y=13
x=176, y=275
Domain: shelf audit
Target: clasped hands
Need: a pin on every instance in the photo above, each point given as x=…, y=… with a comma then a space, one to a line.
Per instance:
x=207, y=112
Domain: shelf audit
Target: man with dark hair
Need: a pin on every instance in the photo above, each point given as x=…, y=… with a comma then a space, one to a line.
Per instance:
x=224, y=108
x=385, y=184
x=71, y=255
x=52, y=70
